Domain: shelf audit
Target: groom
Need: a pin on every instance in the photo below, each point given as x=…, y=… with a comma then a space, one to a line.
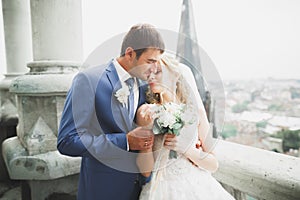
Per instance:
x=97, y=120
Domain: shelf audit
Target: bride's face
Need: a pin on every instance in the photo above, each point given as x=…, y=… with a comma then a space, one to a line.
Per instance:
x=155, y=80
x=164, y=78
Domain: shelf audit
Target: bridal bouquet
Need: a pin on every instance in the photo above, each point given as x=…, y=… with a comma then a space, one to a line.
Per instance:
x=170, y=118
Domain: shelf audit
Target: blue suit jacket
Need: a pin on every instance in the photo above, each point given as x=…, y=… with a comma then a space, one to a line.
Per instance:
x=94, y=126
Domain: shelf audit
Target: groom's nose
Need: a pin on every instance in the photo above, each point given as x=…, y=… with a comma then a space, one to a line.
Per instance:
x=153, y=68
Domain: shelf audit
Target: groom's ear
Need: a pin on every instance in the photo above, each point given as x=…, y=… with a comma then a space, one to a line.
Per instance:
x=130, y=53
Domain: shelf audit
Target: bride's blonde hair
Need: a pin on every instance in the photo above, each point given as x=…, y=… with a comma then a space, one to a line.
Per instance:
x=182, y=91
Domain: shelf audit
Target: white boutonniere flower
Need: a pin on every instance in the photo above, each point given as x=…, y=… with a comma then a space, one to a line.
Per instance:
x=122, y=95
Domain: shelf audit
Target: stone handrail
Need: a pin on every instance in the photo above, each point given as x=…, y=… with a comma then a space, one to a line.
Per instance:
x=45, y=166
x=259, y=173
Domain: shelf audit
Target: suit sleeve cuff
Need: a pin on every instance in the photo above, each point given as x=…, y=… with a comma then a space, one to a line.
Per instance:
x=127, y=144
x=118, y=140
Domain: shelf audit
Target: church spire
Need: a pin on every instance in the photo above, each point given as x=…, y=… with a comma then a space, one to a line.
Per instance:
x=188, y=51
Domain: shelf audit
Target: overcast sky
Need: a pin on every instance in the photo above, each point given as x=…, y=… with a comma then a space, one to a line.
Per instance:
x=244, y=38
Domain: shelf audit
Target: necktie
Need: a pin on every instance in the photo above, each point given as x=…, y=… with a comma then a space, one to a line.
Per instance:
x=130, y=83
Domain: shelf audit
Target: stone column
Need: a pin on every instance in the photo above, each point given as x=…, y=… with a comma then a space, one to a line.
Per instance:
x=17, y=35
x=18, y=49
x=56, y=30
x=57, y=55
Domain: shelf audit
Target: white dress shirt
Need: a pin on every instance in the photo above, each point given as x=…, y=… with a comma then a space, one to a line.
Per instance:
x=123, y=76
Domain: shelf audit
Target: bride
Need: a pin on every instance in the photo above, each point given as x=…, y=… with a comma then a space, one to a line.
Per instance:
x=189, y=175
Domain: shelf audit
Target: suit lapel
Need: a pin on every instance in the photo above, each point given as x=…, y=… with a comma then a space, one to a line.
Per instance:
x=118, y=107
x=142, y=91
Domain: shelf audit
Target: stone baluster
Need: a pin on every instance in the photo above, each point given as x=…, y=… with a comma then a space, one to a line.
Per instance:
x=18, y=49
x=57, y=55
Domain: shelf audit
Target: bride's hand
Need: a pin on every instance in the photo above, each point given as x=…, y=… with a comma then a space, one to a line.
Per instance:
x=144, y=115
x=177, y=143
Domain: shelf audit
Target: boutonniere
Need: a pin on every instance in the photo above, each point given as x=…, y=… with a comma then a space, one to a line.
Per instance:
x=122, y=95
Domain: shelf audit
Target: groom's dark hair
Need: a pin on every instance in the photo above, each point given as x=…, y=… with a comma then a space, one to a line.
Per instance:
x=141, y=37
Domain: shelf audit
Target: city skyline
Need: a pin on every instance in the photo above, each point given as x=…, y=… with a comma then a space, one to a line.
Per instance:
x=245, y=39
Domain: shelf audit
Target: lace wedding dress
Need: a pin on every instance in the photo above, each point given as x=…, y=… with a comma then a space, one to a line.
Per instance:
x=178, y=178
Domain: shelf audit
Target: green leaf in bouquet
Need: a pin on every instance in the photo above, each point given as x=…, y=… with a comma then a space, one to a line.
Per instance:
x=177, y=126
x=176, y=132
x=172, y=154
x=169, y=130
x=156, y=128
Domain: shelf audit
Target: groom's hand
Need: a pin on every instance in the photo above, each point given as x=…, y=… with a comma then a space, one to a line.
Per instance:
x=140, y=139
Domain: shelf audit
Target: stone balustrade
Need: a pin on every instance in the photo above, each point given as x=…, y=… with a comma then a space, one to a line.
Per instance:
x=32, y=156
x=259, y=173
x=45, y=166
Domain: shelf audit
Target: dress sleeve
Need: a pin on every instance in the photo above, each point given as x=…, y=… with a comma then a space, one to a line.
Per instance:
x=204, y=126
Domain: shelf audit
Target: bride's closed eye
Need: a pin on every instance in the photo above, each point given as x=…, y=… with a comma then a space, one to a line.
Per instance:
x=158, y=72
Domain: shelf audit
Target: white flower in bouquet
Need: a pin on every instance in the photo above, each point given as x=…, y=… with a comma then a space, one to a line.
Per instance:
x=170, y=118
x=167, y=119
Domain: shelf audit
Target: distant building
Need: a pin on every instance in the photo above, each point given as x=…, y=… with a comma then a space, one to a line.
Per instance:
x=271, y=130
x=255, y=116
x=272, y=143
x=290, y=123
